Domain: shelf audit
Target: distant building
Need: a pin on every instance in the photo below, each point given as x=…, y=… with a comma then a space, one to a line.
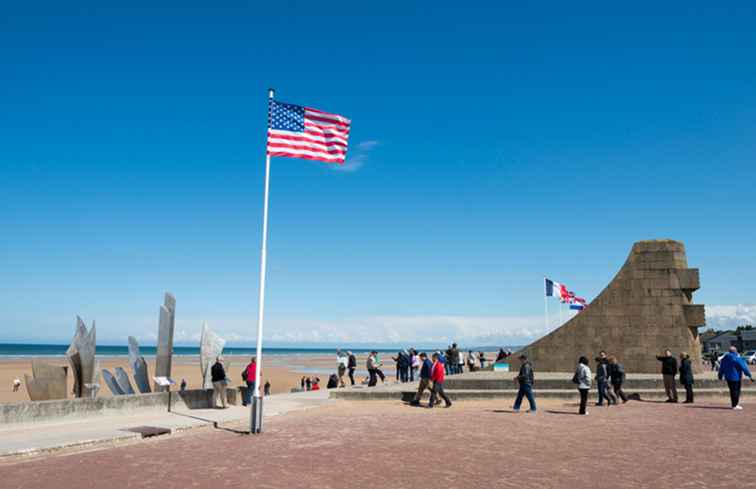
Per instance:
x=723, y=341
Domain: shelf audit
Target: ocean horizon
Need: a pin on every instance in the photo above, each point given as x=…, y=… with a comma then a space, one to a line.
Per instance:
x=29, y=350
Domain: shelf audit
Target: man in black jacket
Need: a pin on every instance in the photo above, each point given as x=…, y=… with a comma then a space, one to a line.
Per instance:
x=351, y=365
x=525, y=380
x=218, y=374
x=602, y=381
x=617, y=376
x=425, y=378
x=686, y=377
x=669, y=371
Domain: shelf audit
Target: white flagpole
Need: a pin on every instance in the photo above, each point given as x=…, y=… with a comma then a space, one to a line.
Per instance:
x=257, y=412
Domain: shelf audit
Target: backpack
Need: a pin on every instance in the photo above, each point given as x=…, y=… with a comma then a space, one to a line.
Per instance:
x=244, y=375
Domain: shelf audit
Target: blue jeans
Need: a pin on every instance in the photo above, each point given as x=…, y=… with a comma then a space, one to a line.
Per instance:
x=526, y=390
x=248, y=393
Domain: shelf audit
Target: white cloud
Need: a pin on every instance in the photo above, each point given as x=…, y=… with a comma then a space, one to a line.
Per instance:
x=730, y=316
x=358, y=157
x=374, y=330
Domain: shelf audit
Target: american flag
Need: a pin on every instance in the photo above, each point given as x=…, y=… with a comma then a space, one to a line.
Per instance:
x=302, y=132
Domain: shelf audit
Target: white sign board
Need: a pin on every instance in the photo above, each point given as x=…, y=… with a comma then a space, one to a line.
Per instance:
x=164, y=381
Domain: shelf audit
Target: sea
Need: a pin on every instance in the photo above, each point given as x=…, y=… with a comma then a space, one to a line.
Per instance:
x=26, y=350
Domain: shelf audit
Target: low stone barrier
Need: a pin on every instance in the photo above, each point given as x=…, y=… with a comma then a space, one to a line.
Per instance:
x=55, y=410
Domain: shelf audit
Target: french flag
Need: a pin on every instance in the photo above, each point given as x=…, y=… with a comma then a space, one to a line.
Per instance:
x=553, y=289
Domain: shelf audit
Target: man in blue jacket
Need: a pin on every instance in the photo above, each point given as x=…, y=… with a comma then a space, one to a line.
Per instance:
x=733, y=368
x=425, y=378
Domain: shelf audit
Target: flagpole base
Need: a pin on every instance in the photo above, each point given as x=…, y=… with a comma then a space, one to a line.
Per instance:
x=257, y=416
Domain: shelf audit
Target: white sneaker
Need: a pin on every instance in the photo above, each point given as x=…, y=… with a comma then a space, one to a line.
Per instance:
x=738, y=408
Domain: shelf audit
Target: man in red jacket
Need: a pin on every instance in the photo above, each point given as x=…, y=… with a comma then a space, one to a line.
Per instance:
x=249, y=377
x=437, y=376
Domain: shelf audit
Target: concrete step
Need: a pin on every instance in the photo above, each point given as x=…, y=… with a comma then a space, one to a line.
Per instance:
x=506, y=382
x=567, y=394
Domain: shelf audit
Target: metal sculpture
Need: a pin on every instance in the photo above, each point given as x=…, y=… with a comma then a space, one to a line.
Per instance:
x=165, y=339
x=110, y=381
x=211, y=347
x=138, y=367
x=122, y=378
x=81, y=356
x=46, y=382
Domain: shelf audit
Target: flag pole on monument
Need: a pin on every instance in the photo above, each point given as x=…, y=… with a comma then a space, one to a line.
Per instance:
x=257, y=408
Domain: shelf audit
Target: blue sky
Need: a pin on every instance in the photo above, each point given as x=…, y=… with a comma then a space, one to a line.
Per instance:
x=491, y=145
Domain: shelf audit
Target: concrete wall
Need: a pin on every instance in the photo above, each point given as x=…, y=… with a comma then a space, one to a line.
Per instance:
x=644, y=309
x=50, y=411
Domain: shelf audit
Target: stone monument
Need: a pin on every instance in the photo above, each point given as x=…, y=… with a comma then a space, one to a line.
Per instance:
x=46, y=382
x=166, y=326
x=81, y=357
x=138, y=367
x=645, y=309
x=211, y=347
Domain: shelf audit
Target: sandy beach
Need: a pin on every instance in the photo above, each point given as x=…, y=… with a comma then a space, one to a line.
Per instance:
x=284, y=372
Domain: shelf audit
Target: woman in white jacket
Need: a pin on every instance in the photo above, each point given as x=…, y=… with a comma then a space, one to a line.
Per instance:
x=583, y=380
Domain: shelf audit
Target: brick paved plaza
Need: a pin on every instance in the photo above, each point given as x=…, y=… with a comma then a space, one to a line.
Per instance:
x=389, y=445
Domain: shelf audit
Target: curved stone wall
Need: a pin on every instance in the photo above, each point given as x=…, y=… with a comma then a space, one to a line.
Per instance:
x=645, y=309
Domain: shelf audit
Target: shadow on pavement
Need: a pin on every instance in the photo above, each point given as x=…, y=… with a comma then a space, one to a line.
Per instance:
x=551, y=411
x=709, y=407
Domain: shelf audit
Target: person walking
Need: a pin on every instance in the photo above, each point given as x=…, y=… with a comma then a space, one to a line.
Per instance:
x=603, y=380
x=16, y=384
x=471, y=361
x=249, y=377
x=733, y=368
x=404, y=366
x=414, y=365
x=351, y=365
x=266, y=388
x=437, y=376
x=218, y=376
x=582, y=378
x=617, y=377
x=525, y=379
x=342, y=360
x=302, y=384
x=308, y=384
x=460, y=362
x=669, y=372
x=370, y=365
x=378, y=365
x=686, y=377
x=425, y=378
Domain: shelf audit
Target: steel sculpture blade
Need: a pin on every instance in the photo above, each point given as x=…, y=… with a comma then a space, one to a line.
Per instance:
x=211, y=347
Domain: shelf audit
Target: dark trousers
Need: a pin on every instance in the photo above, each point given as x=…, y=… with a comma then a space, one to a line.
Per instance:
x=404, y=374
x=424, y=384
x=525, y=390
x=688, y=392
x=619, y=392
x=605, y=393
x=734, y=386
x=379, y=373
x=373, y=379
x=436, y=392
x=583, y=400
x=351, y=374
